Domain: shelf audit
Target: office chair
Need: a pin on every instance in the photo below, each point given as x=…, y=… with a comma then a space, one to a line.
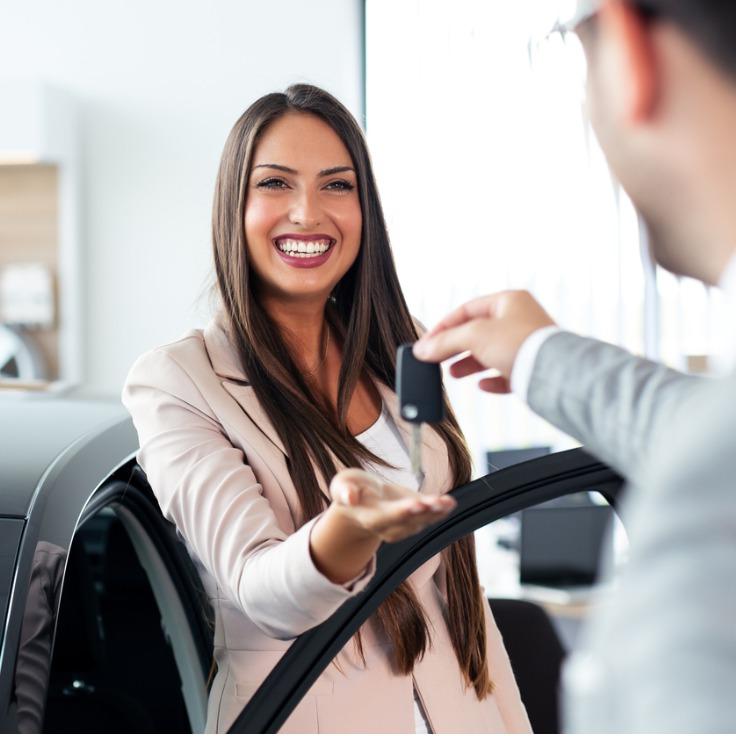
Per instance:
x=536, y=655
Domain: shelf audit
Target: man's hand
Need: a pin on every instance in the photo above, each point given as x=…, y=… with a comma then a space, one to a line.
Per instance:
x=492, y=328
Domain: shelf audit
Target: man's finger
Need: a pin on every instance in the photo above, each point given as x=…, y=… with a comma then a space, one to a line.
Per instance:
x=495, y=385
x=482, y=306
x=466, y=367
x=451, y=342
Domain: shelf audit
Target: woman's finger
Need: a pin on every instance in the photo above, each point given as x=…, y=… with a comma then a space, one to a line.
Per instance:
x=342, y=491
x=355, y=495
x=440, y=503
x=348, y=485
x=412, y=525
x=399, y=513
x=426, y=510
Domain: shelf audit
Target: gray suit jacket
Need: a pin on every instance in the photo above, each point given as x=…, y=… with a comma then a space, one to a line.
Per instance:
x=661, y=655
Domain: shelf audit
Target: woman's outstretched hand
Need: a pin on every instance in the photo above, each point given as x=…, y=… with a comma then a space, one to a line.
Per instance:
x=387, y=511
x=365, y=512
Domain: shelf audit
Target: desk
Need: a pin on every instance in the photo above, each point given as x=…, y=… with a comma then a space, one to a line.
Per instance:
x=498, y=569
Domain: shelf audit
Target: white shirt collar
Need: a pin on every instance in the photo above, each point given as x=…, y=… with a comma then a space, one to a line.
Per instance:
x=724, y=360
x=727, y=282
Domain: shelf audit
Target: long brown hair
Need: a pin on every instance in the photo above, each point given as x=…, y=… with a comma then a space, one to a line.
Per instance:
x=368, y=313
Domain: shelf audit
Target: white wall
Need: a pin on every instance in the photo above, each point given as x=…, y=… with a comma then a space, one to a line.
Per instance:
x=159, y=84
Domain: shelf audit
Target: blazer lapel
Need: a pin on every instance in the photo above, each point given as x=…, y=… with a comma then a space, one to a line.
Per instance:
x=245, y=395
x=227, y=366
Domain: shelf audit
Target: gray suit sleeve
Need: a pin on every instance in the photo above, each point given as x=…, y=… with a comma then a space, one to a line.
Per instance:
x=608, y=399
x=660, y=656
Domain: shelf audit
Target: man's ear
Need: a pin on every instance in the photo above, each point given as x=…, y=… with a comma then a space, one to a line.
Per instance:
x=630, y=61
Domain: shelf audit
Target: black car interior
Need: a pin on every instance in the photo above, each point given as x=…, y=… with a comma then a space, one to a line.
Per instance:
x=112, y=670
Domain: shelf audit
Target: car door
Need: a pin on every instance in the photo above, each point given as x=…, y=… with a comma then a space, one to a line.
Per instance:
x=480, y=502
x=106, y=627
x=133, y=638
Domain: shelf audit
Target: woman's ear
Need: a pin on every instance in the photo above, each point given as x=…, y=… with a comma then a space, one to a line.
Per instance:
x=627, y=62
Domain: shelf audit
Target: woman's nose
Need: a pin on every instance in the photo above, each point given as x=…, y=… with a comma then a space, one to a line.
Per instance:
x=305, y=211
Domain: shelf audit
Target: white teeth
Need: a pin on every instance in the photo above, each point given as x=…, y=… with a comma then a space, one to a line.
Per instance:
x=304, y=249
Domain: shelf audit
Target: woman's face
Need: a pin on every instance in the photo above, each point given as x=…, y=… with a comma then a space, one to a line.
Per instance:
x=302, y=216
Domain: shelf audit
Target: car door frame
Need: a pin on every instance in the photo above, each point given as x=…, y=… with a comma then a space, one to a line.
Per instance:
x=479, y=503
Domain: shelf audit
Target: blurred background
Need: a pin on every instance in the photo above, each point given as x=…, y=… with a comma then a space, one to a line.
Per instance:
x=113, y=116
x=112, y=120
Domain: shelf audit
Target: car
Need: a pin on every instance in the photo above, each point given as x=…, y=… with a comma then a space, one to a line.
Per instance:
x=104, y=624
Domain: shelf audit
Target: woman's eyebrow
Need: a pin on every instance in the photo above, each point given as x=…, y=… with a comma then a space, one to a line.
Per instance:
x=288, y=170
x=336, y=170
x=279, y=167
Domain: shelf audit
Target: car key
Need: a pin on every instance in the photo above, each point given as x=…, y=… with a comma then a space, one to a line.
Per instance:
x=419, y=388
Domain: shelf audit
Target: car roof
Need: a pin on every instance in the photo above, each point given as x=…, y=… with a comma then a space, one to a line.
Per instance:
x=35, y=431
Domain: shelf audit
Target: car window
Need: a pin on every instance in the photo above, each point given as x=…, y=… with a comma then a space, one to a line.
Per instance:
x=120, y=648
x=504, y=495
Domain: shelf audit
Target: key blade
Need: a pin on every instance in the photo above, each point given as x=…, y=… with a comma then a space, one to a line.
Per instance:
x=416, y=454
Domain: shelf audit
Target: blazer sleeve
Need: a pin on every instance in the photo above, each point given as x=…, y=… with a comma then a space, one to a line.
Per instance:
x=206, y=487
x=613, y=402
x=506, y=691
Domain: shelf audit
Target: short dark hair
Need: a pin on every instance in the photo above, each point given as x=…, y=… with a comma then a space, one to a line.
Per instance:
x=710, y=25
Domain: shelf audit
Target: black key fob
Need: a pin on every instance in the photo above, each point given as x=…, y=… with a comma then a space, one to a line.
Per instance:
x=419, y=388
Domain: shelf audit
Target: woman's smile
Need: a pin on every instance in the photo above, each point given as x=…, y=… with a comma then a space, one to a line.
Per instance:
x=304, y=251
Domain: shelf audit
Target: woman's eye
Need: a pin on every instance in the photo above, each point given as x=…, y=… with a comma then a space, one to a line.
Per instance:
x=340, y=186
x=272, y=184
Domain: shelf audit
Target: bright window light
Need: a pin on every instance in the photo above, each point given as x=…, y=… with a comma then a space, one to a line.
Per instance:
x=491, y=179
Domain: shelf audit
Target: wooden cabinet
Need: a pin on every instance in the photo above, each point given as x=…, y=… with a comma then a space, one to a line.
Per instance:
x=29, y=233
x=39, y=216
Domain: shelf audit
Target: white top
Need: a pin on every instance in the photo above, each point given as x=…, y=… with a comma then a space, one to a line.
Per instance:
x=384, y=440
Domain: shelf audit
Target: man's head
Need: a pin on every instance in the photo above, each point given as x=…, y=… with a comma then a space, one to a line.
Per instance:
x=662, y=100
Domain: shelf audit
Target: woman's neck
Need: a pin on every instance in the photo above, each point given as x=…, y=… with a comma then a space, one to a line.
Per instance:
x=303, y=326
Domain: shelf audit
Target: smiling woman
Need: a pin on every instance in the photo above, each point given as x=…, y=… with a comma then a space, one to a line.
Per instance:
x=272, y=440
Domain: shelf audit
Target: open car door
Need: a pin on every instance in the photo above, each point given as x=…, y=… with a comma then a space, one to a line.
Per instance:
x=480, y=502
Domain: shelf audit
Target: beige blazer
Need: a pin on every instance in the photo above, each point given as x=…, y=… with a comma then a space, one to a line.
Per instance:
x=219, y=471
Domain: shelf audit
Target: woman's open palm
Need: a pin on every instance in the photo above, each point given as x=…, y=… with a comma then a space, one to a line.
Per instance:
x=389, y=511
